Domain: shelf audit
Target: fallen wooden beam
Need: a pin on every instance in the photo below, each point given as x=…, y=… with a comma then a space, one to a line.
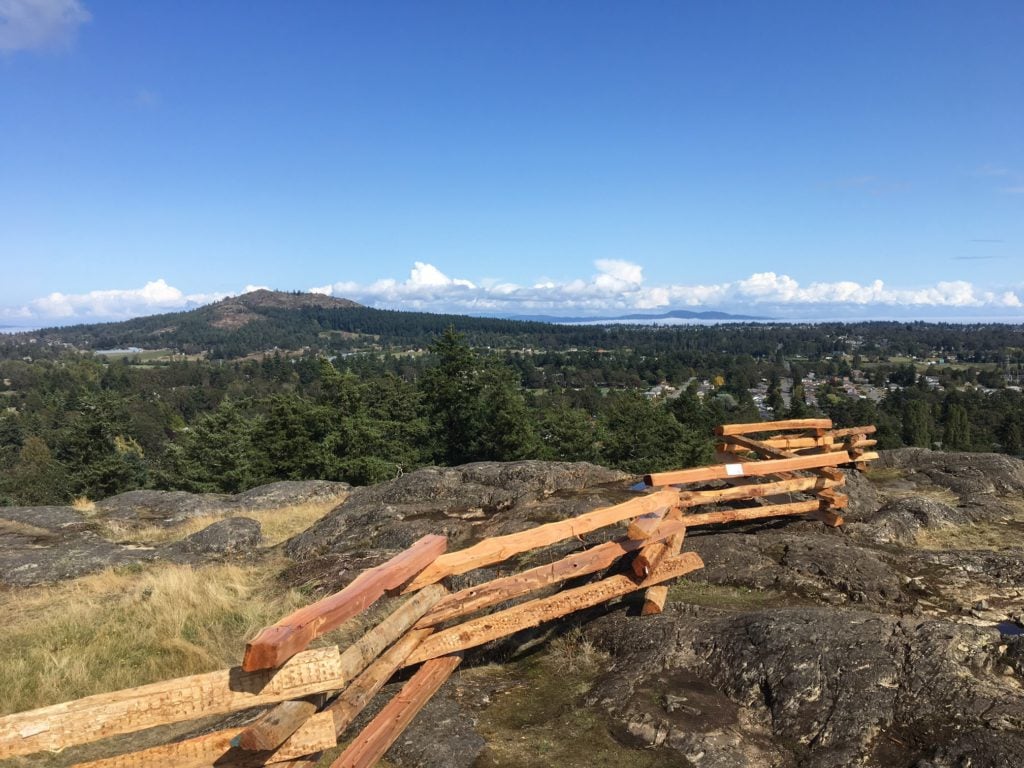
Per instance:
x=215, y=749
x=530, y=614
x=277, y=643
x=490, y=593
x=371, y=744
x=773, y=426
x=172, y=701
x=751, y=468
x=499, y=548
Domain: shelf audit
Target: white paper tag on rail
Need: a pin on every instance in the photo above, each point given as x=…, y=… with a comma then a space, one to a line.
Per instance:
x=734, y=470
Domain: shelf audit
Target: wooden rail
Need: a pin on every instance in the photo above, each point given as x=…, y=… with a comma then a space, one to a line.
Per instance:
x=313, y=696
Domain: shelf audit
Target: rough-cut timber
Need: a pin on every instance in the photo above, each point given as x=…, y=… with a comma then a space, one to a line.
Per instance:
x=756, y=491
x=753, y=513
x=277, y=643
x=214, y=749
x=274, y=727
x=868, y=429
x=747, y=469
x=370, y=745
x=530, y=614
x=494, y=550
x=644, y=526
x=481, y=596
x=172, y=701
x=647, y=559
x=773, y=426
x=654, y=600
x=358, y=694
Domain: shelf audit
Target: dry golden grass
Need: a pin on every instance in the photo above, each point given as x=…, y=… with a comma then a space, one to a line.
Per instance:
x=277, y=524
x=82, y=504
x=19, y=528
x=118, y=629
x=993, y=536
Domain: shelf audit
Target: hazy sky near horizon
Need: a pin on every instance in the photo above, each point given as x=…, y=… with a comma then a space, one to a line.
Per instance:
x=793, y=158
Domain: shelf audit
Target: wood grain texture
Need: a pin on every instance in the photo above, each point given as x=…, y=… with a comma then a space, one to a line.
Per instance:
x=757, y=490
x=747, y=469
x=499, y=548
x=531, y=614
x=371, y=744
x=315, y=735
x=350, y=702
x=490, y=593
x=773, y=426
x=275, y=644
x=172, y=701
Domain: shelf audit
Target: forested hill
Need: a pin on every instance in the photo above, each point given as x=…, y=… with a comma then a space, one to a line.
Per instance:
x=262, y=320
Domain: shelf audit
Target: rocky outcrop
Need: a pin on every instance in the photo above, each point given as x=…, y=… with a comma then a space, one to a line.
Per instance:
x=821, y=687
x=464, y=503
x=173, y=507
x=964, y=474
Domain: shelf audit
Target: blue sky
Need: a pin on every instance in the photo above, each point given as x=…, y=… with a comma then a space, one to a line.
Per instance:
x=796, y=159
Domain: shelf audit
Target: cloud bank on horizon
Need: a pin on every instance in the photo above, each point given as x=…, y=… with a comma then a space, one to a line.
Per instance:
x=616, y=286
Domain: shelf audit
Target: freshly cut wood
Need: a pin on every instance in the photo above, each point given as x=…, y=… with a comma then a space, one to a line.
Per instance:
x=750, y=468
x=274, y=727
x=654, y=597
x=530, y=614
x=358, y=694
x=498, y=548
x=867, y=456
x=828, y=517
x=773, y=426
x=647, y=559
x=279, y=642
x=172, y=701
x=481, y=596
x=370, y=745
x=214, y=749
x=779, y=455
x=654, y=600
x=753, y=513
x=833, y=499
x=643, y=526
x=868, y=429
x=865, y=443
x=756, y=491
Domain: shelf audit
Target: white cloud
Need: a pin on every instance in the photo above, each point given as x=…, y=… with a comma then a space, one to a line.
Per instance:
x=617, y=286
x=31, y=24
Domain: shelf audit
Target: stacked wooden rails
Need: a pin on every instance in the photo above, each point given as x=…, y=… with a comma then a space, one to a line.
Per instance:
x=313, y=695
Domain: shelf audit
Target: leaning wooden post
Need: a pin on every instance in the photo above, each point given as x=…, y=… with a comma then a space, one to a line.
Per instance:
x=370, y=745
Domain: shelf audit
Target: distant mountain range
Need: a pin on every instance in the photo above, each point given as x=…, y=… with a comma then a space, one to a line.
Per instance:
x=264, y=320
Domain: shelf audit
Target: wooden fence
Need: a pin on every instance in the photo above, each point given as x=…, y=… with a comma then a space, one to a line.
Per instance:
x=314, y=695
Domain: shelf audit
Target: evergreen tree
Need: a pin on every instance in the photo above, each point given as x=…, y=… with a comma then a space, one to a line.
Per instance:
x=957, y=435
x=917, y=423
x=451, y=393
